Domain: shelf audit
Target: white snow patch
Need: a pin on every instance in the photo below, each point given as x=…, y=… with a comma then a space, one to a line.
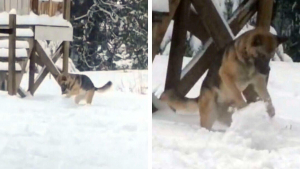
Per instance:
x=50, y=131
x=19, y=52
x=160, y=5
x=33, y=19
x=19, y=44
x=252, y=141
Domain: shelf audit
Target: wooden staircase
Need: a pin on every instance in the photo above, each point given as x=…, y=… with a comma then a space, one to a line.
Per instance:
x=24, y=46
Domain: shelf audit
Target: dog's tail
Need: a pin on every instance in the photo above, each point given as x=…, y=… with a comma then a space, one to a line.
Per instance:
x=104, y=88
x=177, y=102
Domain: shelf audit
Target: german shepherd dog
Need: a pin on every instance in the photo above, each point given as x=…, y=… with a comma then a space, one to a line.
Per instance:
x=81, y=86
x=244, y=62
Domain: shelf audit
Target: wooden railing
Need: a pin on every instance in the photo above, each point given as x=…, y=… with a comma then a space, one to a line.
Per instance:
x=11, y=54
x=23, y=7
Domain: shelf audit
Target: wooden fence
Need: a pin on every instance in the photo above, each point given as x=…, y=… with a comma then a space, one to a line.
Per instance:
x=23, y=7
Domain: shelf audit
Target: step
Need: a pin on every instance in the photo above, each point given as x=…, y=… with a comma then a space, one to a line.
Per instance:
x=21, y=32
x=19, y=44
x=4, y=67
x=21, y=54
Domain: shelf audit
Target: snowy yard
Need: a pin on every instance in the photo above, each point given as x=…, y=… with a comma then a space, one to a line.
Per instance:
x=49, y=131
x=253, y=141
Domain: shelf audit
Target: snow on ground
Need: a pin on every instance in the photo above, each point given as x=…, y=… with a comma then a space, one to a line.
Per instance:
x=253, y=141
x=33, y=19
x=49, y=131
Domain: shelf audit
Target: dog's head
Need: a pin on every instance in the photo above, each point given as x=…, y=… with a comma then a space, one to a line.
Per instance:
x=263, y=44
x=63, y=82
x=262, y=48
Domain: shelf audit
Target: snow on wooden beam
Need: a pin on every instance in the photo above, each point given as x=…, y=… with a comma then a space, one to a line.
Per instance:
x=19, y=44
x=19, y=53
x=199, y=64
x=4, y=67
x=160, y=5
x=53, y=33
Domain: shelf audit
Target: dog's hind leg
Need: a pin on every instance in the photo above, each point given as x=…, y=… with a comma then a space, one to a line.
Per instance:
x=89, y=96
x=208, y=110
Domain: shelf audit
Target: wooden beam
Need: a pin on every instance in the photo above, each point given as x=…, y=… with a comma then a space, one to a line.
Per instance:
x=46, y=59
x=215, y=25
x=178, y=45
x=66, y=57
x=32, y=69
x=67, y=16
x=67, y=10
x=159, y=29
x=196, y=27
x=264, y=14
x=201, y=62
x=45, y=69
x=12, y=56
x=35, y=6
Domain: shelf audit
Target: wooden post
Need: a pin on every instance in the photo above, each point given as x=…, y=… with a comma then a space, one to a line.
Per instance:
x=264, y=18
x=159, y=29
x=32, y=69
x=178, y=46
x=12, y=56
x=66, y=45
x=35, y=6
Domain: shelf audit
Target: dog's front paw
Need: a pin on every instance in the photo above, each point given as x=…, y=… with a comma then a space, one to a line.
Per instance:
x=242, y=105
x=270, y=110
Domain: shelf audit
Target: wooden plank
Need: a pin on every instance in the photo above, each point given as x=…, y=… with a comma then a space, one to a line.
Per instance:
x=7, y=5
x=53, y=33
x=14, y=5
x=264, y=14
x=67, y=10
x=66, y=57
x=159, y=29
x=46, y=69
x=178, y=45
x=31, y=70
x=244, y=12
x=264, y=18
x=21, y=92
x=215, y=24
x=2, y=8
x=12, y=56
x=35, y=6
x=197, y=28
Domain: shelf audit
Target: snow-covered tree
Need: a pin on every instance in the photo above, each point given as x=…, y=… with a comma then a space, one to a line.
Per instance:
x=102, y=26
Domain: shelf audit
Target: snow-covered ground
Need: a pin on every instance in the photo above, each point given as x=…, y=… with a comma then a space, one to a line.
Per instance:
x=49, y=131
x=253, y=141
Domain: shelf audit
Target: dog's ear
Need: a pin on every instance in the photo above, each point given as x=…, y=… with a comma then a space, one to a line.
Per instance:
x=281, y=39
x=257, y=40
x=63, y=78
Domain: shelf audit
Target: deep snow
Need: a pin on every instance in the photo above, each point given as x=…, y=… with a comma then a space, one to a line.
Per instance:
x=49, y=131
x=253, y=141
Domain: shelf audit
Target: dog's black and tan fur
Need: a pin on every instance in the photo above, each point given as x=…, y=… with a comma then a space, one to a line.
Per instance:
x=81, y=86
x=244, y=62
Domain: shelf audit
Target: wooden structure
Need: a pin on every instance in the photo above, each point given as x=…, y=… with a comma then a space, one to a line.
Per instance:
x=207, y=25
x=23, y=46
x=23, y=7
